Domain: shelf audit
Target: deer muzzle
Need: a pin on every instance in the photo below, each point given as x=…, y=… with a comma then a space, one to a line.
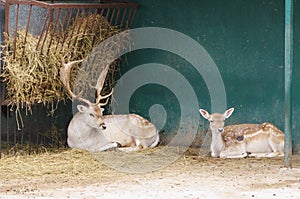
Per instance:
x=220, y=130
x=102, y=125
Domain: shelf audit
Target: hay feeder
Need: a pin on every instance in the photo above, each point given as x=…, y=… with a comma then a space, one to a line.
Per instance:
x=37, y=35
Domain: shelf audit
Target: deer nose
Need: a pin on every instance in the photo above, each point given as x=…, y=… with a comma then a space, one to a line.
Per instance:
x=220, y=130
x=102, y=125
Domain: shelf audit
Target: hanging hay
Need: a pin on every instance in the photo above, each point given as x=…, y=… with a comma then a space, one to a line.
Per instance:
x=31, y=69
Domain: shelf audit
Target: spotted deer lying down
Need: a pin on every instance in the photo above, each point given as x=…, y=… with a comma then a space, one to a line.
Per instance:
x=91, y=130
x=241, y=140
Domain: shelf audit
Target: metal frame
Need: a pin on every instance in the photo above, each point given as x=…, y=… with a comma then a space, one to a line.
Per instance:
x=288, y=62
x=117, y=13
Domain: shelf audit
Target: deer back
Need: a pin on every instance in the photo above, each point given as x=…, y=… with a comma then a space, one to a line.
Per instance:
x=235, y=134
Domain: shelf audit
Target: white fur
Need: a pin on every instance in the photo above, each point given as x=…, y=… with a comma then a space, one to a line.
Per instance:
x=109, y=131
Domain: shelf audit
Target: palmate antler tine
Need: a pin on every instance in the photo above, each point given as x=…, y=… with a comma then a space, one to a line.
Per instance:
x=105, y=97
x=65, y=72
x=105, y=103
x=99, y=85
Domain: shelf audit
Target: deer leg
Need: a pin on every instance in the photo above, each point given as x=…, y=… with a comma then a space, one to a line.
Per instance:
x=138, y=146
x=109, y=146
x=235, y=151
x=273, y=154
x=129, y=149
x=214, y=155
x=215, y=151
x=276, y=147
x=242, y=155
x=258, y=155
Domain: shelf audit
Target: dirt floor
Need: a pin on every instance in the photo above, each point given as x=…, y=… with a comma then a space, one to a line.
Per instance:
x=79, y=174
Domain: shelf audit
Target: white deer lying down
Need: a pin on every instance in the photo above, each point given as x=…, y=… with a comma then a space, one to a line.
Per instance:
x=236, y=141
x=89, y=129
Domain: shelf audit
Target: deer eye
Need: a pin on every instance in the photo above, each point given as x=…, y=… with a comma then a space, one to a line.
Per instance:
x=92, y=115
x=211, y=121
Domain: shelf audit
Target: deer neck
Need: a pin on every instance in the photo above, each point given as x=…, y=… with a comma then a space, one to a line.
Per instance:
x=217, y=139
x=82, y=126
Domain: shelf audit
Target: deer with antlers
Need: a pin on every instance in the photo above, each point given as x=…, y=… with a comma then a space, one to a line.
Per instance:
x=241, y=140
x=91, y=130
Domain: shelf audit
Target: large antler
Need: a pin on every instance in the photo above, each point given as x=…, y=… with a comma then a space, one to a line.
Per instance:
x=65, y=72
x=99, y=86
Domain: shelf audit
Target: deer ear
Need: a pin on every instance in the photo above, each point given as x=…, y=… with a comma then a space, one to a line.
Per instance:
x=81, y=108
x=204, y=113
x=228, y=113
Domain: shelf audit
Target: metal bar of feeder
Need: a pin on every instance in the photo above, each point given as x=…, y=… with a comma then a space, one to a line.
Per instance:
x=132, y=17
x=72, y=5
x=129, y=16
x=6, y=25
x=26, y=30
x=107, y=14
x=79, y=27
x=75, y=21
x=50, y=14
x=94, y=22
x=112, y=16
x=288, y=82
x=123, y=17
x=117, y=17
x=87, y=22
x=94, y=38
x=53, y=30
x=102, y=11
x=94, y=18
x=61, y=40
x=16, y=29
x=68, y=24
x=43, y=30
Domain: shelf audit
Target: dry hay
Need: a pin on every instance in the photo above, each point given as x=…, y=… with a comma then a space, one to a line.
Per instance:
x=79, y=174
x=32, y=76
x=55, y=174
x=68, y=162
x=73, y=163
x=28, y=175
x=146, y=160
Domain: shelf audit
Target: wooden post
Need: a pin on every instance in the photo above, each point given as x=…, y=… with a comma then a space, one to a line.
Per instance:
x=288, y=82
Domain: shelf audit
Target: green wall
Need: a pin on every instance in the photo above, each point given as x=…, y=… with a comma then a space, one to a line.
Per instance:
x=246, y=41
x=296, y=78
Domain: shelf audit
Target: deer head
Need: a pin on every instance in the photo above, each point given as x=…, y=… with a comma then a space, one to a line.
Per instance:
x=216, y=120
x=92, y=111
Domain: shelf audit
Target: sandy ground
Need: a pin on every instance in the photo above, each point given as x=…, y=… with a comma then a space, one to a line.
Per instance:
x=190, y=176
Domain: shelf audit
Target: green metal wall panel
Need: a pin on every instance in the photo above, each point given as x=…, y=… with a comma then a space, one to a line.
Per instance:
x=246, y=41
x=296, y=79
